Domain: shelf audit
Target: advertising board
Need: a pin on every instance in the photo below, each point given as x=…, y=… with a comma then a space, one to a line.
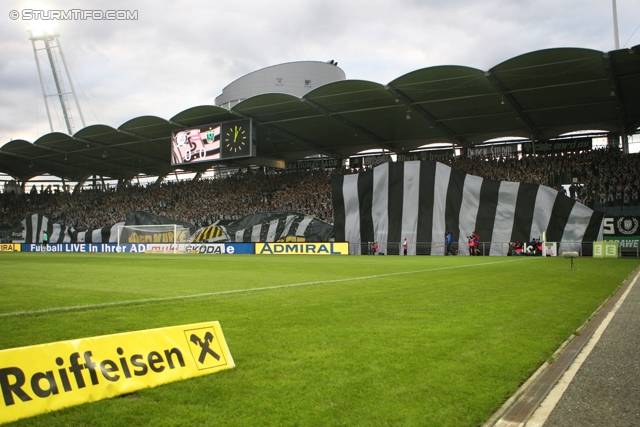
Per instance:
x=287, y=248
x=221, y=248
x=47, y=377
x=203, y=248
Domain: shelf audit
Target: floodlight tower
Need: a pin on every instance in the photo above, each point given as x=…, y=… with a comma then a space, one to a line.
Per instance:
x=50, y=42
x=616, y=37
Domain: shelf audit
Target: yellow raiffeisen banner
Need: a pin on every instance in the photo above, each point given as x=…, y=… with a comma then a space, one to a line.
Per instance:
x=290, y=248
x=47, y=377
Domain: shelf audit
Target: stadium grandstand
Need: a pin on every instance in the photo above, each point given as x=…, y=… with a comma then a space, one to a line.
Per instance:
x=605, y=180
x=532, y=119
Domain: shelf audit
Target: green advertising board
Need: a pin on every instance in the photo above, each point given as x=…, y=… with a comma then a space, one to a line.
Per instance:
x=607, y=249
x=628, y=245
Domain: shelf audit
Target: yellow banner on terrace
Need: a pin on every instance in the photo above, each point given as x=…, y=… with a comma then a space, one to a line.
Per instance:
x=48, y=377
x=290, y=248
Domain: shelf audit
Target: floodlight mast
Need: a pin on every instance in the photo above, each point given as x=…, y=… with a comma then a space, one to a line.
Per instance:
x=616, y=37
x=51, y=43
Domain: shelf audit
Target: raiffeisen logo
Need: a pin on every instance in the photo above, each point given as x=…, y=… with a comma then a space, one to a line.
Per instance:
x=79, y=371
x=52, y=376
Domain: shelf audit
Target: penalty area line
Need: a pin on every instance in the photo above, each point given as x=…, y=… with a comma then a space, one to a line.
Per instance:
x=233, y=291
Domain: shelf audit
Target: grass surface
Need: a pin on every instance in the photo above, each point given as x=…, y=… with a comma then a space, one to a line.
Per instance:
x=366, y=341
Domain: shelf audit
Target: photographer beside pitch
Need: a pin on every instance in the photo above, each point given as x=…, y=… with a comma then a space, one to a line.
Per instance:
x=474, y=243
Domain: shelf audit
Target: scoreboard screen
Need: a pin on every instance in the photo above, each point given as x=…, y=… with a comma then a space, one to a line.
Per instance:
x=221, y=141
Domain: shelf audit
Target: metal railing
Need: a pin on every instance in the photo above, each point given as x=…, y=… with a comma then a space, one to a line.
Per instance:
x=486, y=249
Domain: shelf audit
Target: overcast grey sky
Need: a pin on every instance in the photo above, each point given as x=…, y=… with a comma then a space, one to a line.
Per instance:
x=178, y=55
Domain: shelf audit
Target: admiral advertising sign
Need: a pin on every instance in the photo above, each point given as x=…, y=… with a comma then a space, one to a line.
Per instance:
x=47, y=377
x=329, y=248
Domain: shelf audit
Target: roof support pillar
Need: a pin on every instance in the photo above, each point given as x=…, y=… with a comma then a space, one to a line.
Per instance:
x=616, y=94
x=79, y=185
x=123, y=183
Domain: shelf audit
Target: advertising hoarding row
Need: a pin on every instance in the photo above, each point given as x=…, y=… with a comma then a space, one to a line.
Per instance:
x=276, y=248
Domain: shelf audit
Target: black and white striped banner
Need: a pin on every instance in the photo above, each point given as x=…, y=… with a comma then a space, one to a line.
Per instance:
x=99, y=235
x=277, y=226
x=421, y=200
x=37, y=224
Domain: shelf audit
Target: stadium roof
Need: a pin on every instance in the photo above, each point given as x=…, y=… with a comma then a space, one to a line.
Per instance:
x=538, y=95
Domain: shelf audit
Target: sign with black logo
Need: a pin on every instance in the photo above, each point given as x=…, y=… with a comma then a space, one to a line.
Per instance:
x=622, y=226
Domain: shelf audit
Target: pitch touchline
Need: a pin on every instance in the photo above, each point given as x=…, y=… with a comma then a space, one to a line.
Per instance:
x=549, y=403
x=234, y=291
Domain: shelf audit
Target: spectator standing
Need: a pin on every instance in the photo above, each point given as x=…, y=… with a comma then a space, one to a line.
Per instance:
x=448, y=240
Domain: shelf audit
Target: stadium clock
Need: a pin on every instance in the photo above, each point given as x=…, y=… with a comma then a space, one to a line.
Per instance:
x=236, y=139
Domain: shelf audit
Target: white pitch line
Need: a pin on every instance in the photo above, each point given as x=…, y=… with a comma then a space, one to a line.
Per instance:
x=539, y=417
x=234, y=291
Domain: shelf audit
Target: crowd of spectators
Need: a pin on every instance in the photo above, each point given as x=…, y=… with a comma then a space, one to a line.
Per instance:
x=201, y=202
x=599, y=178
x=596, y=178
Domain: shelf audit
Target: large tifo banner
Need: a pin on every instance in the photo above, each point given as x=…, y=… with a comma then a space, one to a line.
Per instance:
x=267, y=227
x=421, y=200
x=262, y=227
x=48, y=377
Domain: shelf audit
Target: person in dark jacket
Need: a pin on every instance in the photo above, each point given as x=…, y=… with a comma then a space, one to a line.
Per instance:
x=448, y=240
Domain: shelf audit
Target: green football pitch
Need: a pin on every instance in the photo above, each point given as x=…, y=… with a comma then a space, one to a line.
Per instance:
x=317, y=341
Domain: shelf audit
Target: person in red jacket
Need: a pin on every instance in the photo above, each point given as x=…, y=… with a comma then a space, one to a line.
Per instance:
x=517, y=249
x=474, y=244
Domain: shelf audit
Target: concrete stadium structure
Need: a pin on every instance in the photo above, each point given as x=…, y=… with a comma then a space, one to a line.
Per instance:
x=291, y=78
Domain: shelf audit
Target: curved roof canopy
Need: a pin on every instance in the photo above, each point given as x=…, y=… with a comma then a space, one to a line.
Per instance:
x=538, y=95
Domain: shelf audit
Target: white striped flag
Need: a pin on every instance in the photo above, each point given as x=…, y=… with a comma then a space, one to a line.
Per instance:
x=421, y=200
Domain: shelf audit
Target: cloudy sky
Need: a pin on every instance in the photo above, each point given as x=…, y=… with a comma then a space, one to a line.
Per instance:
x=181, y=54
